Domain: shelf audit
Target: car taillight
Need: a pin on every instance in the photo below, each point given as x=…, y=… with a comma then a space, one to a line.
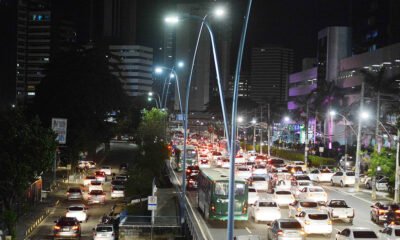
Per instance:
x=212, y=208
x=329, y=222
x=397, y=211
x=280, y=232
x=57, y=228
x=244, y=209
x=382, y=212
x=75, y=228
x=299, y=209
x=302, y=233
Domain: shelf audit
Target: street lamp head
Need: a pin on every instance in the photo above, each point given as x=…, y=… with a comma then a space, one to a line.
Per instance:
x=219, y=12
x=158, y=70
x=172, y=19
x=171, y=75
x=240, y=119
x=286, y=119
x=149, y=99
x=253, y=121
x=181, y=64
x=364, y=115
x=150, y=94
x=332, y=113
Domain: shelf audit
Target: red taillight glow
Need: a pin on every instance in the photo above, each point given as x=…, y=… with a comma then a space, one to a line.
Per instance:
x=280, y=232
x=213, y=208
x=75, y=228
x=382, y=212
x=57, y=228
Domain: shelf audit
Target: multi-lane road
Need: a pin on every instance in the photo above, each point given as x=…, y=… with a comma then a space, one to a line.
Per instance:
x=361, y=202
x=120, y=152
x=123, y=152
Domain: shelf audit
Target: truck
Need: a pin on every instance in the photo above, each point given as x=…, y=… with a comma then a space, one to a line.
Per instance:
x=339, y=210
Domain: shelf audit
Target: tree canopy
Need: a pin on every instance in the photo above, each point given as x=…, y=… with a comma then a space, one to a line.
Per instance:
x=26, y=150
x=152, y=126
x=80, y=87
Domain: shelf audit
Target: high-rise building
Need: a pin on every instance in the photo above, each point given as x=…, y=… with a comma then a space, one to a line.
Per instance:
x=375, y=24
x=119, y=21
x=33, y=46
x=8, y=41
x=334, y=43
x=270, y=68
x=179, y=43
x=135, y=67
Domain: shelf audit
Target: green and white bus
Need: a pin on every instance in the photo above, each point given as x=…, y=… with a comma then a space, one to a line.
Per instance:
x=191, y=157
x=213, y=188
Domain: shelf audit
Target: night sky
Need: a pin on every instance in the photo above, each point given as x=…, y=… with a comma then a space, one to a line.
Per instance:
x=288, y=23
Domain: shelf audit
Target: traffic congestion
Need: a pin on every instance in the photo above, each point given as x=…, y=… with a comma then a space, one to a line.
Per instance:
x=291, y=200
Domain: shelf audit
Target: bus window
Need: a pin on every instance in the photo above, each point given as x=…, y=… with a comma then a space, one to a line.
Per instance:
x=222, y=188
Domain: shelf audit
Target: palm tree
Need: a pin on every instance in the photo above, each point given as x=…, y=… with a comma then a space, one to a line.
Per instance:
x=382, y=85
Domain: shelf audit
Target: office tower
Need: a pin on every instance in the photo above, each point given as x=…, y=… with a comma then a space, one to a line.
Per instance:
x=119, y=21
x=375, y=24
x=270, y=67
x=134, y=68
x=8, y=41
x=334, y=43
x=33, y=46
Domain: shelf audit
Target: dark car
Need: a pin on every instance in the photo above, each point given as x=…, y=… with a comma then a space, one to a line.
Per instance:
x=123, y=167
x=191, y=182
x=67, y=228
x=192, y=170
x=380, y=212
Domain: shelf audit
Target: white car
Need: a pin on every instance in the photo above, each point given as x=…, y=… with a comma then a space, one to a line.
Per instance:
x=252, y=196
x=225, y=163
x=356, y=233
x=243, y=172
x=315, y=222
x=78, y=211
x=283, y=198
x=104, y=232
x=343, y=179
x=259, y=170
x=313, y=193
x=239, y=159
x=391, y=232
x=298, y=185
x=88, y=180
x=95, y=185
x=300, y=164
x=106, y=170
x=321, y=175
x=265, y=210
x=117, y=191
x=260, y=183
x=302, y=205
x=283, y=185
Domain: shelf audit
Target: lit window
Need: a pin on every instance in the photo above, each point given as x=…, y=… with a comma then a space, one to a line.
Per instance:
x=31, y=93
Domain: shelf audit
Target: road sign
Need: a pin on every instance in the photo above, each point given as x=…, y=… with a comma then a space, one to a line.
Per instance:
x=152, y=203
x=59, y=126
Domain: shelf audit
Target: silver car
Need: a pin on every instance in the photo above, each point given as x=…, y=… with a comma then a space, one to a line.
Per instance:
x=104, y=232
x=96, y=196
x=282, y=229
x=74, y=193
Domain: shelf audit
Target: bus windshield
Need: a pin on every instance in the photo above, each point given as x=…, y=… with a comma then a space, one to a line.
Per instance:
x=191, y=153
x=222, y=189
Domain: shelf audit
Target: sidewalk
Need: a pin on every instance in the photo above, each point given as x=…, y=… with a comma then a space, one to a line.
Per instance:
x=365, y=195
x=29, y=221
x=167, y=207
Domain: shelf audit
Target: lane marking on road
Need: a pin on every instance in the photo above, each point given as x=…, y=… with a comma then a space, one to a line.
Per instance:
x=348, y=194
x=248, y=230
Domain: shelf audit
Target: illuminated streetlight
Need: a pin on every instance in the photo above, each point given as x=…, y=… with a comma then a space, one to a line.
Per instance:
x=286, y=119
x=253, y=121
x=150, y=94
x=181, y=64
x=158, y=70
x=172, y=19
x=219, y=12
x=240, y=119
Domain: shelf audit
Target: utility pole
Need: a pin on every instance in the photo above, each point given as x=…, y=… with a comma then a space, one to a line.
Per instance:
x=261, y=131
x=358, y=151
x=396, y=187
x=269, y=131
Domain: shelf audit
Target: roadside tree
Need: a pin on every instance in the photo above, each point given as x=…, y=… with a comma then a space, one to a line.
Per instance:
x=26, y=151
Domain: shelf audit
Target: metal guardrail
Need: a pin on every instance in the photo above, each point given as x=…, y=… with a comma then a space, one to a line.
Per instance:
x=191, y=221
